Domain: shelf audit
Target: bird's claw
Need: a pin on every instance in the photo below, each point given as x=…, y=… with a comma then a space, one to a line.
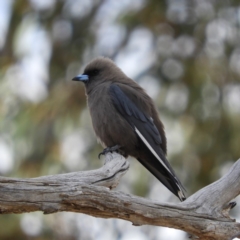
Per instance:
x=108, y=149
x=102, y=153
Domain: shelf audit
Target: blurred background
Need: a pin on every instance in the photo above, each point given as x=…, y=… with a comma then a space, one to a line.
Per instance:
x=185, y=53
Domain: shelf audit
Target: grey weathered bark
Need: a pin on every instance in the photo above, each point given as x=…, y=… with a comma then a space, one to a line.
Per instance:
x=204, y=214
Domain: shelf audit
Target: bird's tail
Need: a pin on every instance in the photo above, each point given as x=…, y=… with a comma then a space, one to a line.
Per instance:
x=166, y=176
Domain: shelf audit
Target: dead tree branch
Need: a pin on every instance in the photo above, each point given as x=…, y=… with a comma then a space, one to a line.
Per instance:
x=205, y=214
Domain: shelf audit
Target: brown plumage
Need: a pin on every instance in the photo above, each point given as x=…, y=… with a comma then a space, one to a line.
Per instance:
x=124, y=118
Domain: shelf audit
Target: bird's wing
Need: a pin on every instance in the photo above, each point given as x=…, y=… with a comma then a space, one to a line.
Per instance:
x=146, y=130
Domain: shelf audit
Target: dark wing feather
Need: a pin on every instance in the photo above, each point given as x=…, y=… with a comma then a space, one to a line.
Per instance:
x=146, y=130
x=133, y=115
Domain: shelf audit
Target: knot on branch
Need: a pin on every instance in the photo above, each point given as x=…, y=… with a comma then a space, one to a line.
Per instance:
x=114, y=168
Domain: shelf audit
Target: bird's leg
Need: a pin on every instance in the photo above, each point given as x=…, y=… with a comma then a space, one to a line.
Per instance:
x=109, y=149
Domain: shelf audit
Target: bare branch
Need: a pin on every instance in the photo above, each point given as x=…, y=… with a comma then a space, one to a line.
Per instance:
x=204, y=214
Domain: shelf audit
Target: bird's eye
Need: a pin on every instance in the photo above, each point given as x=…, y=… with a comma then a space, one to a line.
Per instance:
x=93, y=72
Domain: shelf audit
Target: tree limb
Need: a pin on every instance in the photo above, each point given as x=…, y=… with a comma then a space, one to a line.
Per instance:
x=205, y=214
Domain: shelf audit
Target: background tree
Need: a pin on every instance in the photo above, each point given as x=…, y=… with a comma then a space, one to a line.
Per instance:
x=184, y=53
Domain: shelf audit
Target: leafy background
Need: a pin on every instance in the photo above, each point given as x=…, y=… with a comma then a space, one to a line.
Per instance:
x=185, y=53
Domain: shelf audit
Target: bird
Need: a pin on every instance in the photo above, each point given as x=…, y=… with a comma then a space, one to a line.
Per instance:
x=126, y=120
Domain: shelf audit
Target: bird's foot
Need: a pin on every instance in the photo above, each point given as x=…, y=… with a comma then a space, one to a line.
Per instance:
x=109, y=149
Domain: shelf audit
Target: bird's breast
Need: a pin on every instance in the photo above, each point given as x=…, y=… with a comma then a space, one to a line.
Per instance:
x=109, y=126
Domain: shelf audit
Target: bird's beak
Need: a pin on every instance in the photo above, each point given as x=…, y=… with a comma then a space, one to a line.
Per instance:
x=82, y=78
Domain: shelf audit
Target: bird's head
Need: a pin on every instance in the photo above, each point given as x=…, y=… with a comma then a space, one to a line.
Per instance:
x=100, y=70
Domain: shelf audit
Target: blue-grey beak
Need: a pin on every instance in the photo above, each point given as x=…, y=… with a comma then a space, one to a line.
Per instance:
x=82, y=78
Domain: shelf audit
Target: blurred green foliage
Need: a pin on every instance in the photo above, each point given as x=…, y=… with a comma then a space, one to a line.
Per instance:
x=198, y=41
